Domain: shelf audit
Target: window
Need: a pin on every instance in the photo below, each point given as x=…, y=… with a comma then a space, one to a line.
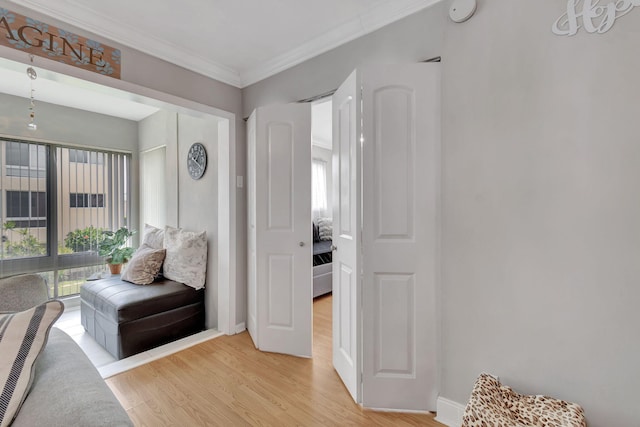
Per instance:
x=26, y=160
x=42, y=229
x=26, y=208
x=82, y=156
x=85, y=200
x=319, y=202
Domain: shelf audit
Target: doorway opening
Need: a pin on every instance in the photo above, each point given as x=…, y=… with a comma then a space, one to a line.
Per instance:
x=159, y=130
x=322, y=215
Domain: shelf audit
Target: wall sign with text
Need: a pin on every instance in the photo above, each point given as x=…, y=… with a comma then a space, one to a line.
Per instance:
x=37, y=38
x=595, y=16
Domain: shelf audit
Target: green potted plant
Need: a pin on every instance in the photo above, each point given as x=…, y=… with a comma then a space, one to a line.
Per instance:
x=112, y=248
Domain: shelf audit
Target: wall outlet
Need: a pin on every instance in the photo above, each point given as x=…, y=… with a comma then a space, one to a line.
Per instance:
x=240, y=181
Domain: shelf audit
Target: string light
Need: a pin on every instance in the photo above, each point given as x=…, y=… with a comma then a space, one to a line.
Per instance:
x=31, y=72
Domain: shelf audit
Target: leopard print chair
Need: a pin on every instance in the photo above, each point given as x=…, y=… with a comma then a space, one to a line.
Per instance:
x=495, y=405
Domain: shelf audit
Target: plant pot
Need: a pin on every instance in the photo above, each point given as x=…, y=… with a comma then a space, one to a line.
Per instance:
x=115, y=268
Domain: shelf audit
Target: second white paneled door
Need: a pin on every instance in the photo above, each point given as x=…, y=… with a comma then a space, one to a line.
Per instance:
x=346, y=235
x=386, y=187
x=280, y=234
x=400, y=198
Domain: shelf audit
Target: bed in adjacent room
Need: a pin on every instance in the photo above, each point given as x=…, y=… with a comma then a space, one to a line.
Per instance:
x=322, y=266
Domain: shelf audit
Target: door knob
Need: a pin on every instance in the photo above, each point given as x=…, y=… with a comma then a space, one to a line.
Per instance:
x=334, y=248
x=301, y=244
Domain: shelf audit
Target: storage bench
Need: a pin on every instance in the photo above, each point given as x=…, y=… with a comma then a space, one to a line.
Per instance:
x=127, y=319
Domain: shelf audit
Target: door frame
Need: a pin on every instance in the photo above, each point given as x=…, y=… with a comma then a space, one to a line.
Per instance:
x=227, y=194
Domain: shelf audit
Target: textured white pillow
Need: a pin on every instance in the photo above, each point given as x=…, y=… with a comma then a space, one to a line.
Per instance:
x=325, y=228
x=186, y=259
x=153, y=237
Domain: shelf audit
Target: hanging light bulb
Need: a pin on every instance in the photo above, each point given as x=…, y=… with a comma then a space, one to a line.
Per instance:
x=31, y=72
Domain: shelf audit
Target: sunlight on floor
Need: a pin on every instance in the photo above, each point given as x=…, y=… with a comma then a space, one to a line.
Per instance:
x=106, y=364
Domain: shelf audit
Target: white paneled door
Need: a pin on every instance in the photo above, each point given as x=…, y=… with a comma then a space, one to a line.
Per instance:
x=346, y=234
x=386, y=187
x=400, y=198
x=280, y=235
x=386, y=159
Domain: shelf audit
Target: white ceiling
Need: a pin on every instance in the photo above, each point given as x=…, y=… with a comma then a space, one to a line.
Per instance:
x=238, y=42
x=52, y=88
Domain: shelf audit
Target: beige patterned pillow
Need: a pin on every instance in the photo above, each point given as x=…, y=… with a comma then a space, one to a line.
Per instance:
x=153, y=237
x=325, y=228
x=144, y=265
x=23, y=335
x=186, y=260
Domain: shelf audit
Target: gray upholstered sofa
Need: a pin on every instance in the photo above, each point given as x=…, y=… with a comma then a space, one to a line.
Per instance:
x=67, y=389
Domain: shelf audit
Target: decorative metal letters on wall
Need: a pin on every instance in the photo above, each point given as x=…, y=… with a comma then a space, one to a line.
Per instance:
x=41, y=39
x=595, y=17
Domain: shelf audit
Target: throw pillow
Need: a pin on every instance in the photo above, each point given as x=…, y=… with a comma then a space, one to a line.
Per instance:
x=23, y=335
x=153, y=237
x=144, y=265
x=186, y=260
x=325, y=228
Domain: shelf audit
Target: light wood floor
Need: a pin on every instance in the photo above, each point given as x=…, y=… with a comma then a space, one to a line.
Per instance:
x=227, y=382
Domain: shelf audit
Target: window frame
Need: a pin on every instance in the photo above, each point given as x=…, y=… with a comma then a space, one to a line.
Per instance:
x=52, y=261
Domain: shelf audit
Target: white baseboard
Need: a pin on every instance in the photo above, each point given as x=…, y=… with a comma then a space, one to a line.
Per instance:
x=449, y=412
x=241, y=327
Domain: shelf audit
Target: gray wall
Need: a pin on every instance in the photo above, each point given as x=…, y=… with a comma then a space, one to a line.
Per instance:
x=540, y=234
x=541, y=208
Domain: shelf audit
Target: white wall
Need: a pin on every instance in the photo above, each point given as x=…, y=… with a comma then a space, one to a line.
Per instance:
x=191, y=204
x=65, y=125
x=198, y=199
x=541, y=208
x=160, y=130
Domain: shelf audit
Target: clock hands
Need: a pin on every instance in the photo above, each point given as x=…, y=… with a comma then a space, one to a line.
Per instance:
x=194, y=160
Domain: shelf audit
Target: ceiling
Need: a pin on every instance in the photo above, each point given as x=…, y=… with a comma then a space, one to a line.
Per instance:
x=47, y=88
x=238, y=42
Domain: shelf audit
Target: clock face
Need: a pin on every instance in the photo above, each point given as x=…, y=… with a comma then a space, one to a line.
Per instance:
x=197, y=160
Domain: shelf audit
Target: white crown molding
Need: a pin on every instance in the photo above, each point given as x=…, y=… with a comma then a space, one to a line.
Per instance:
x=366, y=23
x=84, y=18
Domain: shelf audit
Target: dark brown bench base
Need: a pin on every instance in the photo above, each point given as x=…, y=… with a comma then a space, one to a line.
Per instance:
x=127, y=319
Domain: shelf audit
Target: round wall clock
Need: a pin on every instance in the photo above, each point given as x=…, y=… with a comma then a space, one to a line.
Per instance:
x=197, y=160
